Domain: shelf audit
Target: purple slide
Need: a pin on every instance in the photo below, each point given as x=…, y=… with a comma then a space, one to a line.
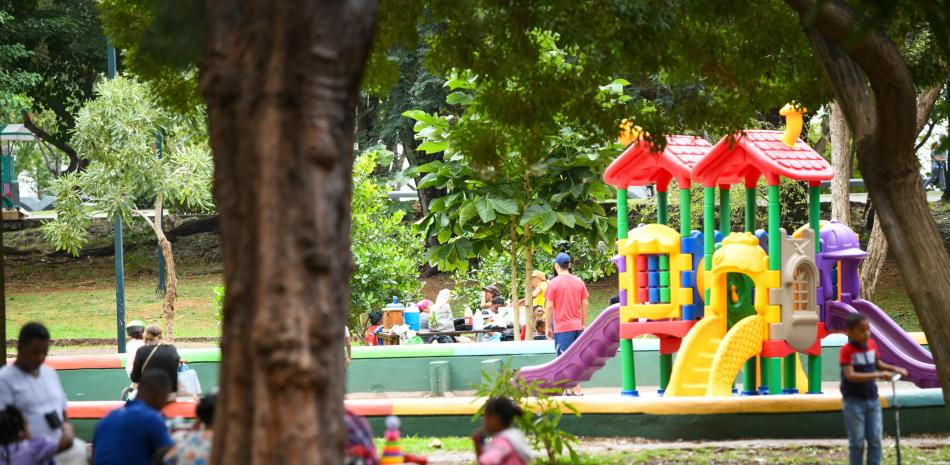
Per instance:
x=597, y=344
x=895, y=345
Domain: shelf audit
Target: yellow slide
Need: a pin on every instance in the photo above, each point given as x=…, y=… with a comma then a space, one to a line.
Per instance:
x=709, y=361
x=742, y=342
x=694, y=361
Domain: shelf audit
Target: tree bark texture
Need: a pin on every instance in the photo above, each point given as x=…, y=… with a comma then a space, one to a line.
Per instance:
x=516, y=312
x=877, y=241
x=841, y=162
x=281, y=79
x=874, y=263
x=882, y=121
x=171, y=277
x=528, y=289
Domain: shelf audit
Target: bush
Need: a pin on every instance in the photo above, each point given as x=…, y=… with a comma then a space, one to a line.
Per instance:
x=386, y=252
x=543, y=411
x=590, y=263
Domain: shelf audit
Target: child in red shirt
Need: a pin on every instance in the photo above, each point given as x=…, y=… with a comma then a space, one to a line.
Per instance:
x=860, y=368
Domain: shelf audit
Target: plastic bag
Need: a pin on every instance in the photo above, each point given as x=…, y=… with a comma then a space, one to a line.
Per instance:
x=188, y=383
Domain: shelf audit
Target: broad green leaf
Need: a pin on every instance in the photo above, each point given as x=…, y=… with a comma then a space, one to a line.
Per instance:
x=467, y=212
x=458, y=98
x=567, y=219
x=485, y=211
x=444, y=235
x=503, y=206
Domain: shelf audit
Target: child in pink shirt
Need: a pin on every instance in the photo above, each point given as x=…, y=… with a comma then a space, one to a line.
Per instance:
x=508, y=445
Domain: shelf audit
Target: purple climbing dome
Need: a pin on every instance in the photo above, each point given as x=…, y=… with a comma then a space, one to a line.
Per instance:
x=839, y=241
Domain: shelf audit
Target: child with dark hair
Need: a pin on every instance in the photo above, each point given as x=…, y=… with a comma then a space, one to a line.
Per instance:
x=860, y=368
x=17, y=447
x=375, y=322
x=508, y=444
x=193, y=447
x=539, y=330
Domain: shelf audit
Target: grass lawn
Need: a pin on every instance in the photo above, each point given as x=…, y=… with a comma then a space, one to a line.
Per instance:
x=77, y=300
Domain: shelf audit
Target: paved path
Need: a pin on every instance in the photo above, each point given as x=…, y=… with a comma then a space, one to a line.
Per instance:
x=932, y=196
x=618, y=445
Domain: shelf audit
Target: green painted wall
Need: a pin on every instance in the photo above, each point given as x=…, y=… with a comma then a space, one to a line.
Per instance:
x=399, y=374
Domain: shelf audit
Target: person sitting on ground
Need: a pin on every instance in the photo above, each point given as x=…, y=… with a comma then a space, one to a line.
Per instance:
x=860, y=368
x=375, y=321
x=34, y=389
x=136, y=332
x=156, y=354
x=360, y=448
x=193, y=447
x=18, y=447
x=539, y=330
x=489, y=293
x=136, y=433
x=508, y=444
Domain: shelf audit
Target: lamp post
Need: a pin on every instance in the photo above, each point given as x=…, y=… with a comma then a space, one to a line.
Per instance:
x=119, y=251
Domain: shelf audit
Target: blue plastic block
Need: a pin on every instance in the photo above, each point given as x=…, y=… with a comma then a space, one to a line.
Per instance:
x=688, y=278
x=653, y=262
x=654, y=278
x=654, y=295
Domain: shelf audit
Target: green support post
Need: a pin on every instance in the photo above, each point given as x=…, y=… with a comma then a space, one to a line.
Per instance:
x=725, y=211
x=750, y=209
x=775, y=240
x=662, y=206
x=663, y=217
x=709, y=230
x=774, y=372
x=749, y=375
x=666, y=369
x=628, y=370
x=814, y=219
x=790, y=364
x=774, y=380
x=686, y=222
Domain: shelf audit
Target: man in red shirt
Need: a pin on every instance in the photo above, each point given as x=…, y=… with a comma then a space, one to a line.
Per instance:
x=566, y=306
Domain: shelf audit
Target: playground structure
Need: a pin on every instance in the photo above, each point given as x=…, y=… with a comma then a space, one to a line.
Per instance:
x=726, y=301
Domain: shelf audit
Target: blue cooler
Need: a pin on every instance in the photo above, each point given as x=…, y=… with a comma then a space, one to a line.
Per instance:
x=412, y=317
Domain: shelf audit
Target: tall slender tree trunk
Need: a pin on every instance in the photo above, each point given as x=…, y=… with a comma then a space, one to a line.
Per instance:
x=171, y=276
x=882, y=121
x=841, y=162
x=528, y=265
x=281, y=79
x=516, y=312
x=528, y=288
x=874, y=263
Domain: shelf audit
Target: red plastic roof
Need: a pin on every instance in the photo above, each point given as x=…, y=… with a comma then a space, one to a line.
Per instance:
x=638, y=165
x=755, y=153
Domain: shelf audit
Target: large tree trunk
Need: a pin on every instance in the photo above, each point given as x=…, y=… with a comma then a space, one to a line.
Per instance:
x=171, y=277
x=281, y=79
x=883, y=126
x=877, y=242
x=841, y=162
